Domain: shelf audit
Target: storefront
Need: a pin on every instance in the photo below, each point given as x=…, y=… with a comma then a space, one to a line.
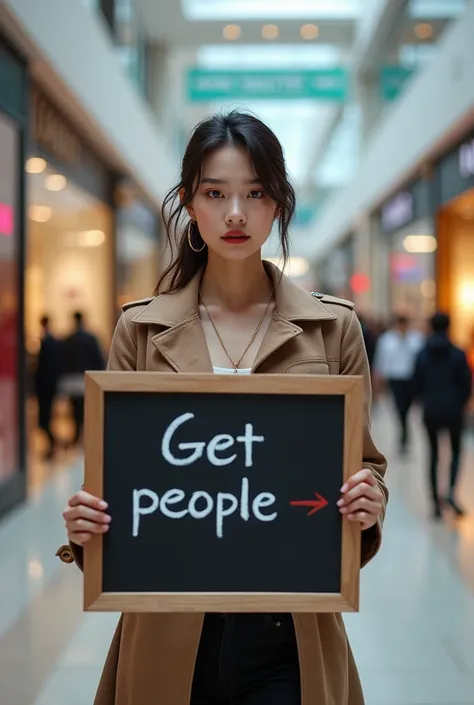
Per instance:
x=138, y=244
x=70, y=252
x=405, y=252
x=13, y=121
x=455, y=227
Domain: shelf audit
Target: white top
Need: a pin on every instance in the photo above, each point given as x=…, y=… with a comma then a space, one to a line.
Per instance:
x=231, y=371
x=396, y=354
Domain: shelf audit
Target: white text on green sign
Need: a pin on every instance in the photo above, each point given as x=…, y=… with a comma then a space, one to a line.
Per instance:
x=325, y=84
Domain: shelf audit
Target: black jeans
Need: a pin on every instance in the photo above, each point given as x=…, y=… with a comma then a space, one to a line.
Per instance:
x=402, y=396
x=247, y=659
x=433, y=429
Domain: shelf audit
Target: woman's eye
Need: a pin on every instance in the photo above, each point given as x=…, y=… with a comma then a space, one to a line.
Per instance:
x=256, y=194
x=214, y=193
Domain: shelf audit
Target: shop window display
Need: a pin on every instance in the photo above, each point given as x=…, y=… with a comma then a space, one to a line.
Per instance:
x=456, y=234
x=69, y=256
x=412, y=271
x=69, y=268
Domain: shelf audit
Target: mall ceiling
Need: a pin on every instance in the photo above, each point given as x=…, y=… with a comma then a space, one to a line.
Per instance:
x=173, y=24
x=196, y=28
x=320, y=138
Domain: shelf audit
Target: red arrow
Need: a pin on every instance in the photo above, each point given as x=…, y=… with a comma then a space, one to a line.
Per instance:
x=319, y=503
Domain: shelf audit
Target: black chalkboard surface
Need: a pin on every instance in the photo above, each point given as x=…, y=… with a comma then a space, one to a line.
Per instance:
x=224, y=499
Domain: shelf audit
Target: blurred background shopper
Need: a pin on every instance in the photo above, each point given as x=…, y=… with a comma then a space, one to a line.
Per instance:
x=81, y=352
x=394, y=363
x=48, y=372
x=443, y=382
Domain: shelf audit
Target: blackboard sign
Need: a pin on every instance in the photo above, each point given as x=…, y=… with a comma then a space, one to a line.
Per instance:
x=223, y=492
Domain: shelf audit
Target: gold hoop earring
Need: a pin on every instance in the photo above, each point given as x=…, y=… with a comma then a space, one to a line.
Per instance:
x=194, y=249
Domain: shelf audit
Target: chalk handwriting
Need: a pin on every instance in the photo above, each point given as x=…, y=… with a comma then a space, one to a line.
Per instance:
x=218, y=444
x=201, y=504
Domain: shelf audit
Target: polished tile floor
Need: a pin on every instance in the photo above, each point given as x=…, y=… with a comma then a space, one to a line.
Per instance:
x=413, y=639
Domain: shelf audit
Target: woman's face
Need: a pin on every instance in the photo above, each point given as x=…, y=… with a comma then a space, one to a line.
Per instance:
x=233, y=213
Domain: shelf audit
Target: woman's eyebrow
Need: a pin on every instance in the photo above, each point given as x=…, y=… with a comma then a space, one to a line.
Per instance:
x=210, y=180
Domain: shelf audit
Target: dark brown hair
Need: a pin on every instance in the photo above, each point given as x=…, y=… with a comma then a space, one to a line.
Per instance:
x=265, y=151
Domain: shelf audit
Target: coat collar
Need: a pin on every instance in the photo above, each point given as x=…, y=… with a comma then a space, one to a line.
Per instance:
x=183, y=342
x=291, y=303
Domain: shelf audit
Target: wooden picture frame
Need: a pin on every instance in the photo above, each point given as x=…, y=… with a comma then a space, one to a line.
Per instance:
x=98, y=384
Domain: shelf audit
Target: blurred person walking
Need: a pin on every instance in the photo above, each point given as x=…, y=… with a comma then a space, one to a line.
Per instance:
x=81, y=352
x=394, y=363
x=442, y=381
x=47, y=375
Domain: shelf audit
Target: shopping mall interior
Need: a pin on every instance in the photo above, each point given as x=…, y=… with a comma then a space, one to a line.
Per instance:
x=372, y=102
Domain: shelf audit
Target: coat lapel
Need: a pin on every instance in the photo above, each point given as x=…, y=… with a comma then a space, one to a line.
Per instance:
x=185, y=346
x=182, y=341
x=292, y=305
x=279, y=332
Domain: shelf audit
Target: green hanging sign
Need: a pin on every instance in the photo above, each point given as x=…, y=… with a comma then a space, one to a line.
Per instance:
x=203, y=85
x=392, y=81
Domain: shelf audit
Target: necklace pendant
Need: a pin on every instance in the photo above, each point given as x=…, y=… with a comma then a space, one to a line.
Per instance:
x=235, y=371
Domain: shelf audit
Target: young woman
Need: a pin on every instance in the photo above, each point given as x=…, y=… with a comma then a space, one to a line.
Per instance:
x=220, y=308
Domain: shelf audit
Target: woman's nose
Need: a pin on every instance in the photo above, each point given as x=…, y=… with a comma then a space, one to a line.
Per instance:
x=236, y=216
x=235, y=219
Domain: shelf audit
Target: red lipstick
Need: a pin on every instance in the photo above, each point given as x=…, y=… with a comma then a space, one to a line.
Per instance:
x=235, y=237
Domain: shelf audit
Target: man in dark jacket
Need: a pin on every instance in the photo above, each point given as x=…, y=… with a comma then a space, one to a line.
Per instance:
x=46, y=382
x=81, y=352
x=442, y=382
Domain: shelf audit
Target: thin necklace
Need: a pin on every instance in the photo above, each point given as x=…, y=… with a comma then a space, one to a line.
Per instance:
x=235, y=365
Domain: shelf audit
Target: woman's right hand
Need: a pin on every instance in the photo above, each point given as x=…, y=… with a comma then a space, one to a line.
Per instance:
x=84, y=516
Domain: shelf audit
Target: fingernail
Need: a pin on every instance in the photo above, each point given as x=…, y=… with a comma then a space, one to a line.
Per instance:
x=344, y=488
x=105, y=527
x=340, y=503
x=107, y=518
x=343, y=510
x=103, y=505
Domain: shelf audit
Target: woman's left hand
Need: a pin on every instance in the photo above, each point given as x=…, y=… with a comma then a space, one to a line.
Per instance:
x=362, y=499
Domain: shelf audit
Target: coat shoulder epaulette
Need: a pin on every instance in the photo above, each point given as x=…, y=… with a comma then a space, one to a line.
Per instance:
x=326, y=299
x=140, y=302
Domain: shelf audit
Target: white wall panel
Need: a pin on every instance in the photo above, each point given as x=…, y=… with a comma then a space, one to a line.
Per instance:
x=436, y=107
x=372, y=20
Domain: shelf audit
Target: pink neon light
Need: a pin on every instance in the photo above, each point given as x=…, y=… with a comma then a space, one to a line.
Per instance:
x=6, y=219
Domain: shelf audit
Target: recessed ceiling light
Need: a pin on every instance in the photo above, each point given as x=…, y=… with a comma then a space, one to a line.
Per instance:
x=40, y=214
x=232, y=32
x=423, y=30
x=270, y=31
x=309, y=31
x=35, y=165
x=55, y=182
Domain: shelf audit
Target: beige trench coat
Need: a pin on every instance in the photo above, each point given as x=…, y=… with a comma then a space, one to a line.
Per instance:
x=152, y=656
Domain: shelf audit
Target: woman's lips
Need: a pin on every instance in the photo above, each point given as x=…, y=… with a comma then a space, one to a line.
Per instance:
x=235, y=238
